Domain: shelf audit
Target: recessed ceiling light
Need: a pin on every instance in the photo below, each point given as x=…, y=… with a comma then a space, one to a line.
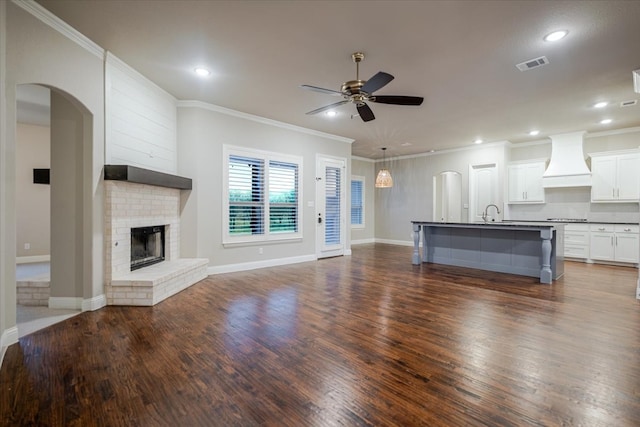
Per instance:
x=534, y=132
x=601, y=104
x=406, y=144
x=202, y=72
x=331, y=113
x=555, y=36
x=605, y=121
x=477, y=141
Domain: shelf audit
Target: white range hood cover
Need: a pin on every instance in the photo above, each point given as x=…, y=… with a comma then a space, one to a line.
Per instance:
x=567, y=167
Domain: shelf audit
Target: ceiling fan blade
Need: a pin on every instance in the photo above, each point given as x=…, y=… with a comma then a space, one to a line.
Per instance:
x=365, y=112
x=321, y=90
x=376, y=82
x=397, y=100
x=328, y=107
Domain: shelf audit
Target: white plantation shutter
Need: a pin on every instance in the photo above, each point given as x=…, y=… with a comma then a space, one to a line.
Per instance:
x=357, y=201
x=246, y=195
x=332, y=206
x=283, y=197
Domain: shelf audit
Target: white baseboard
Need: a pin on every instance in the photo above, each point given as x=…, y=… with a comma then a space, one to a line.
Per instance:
x=65, y=303
x=32, y=259
x=347, y=252
x=230, y=268
x=363, y=241
x=9, y=336
x=95, y=303
x=395, y=242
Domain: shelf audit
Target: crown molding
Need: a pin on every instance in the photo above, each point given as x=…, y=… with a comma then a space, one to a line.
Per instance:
x=448, y=150
x=362, y=159
x=612, y=132
x=254, y=118
x=59, y=25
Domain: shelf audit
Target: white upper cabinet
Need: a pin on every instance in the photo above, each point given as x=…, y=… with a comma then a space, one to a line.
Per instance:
x=615, y=177
x=525, y=182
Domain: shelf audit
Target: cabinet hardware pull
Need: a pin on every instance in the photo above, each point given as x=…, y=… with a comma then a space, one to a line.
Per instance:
x=627, y=229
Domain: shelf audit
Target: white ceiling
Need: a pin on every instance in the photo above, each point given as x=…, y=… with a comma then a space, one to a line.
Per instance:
x=459, y=55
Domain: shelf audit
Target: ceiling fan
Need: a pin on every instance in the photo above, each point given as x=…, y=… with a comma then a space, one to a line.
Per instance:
x=360, y=91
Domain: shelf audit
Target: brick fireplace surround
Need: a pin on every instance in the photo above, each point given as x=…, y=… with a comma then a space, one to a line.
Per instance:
x=133, y=204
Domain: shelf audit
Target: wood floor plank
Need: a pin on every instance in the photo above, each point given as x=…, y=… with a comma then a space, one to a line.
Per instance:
x=363, y=340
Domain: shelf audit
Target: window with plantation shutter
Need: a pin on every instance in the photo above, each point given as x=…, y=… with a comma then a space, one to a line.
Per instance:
x=357, y=201
x=262, y=200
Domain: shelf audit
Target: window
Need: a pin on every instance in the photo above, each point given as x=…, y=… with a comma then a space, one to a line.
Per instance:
x=357, y=201
x=262, y=200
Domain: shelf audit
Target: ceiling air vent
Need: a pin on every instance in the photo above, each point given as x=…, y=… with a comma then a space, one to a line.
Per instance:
x=532, y=63
x=628, y=103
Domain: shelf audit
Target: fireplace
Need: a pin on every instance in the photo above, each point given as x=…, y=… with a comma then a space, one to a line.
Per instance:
x=147, y=246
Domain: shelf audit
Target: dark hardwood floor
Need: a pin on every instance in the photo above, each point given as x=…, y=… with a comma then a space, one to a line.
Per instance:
x=367, y=339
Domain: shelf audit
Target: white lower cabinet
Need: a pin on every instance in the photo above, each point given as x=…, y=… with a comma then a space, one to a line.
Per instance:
x=576, y=241
x=627, y=241
x=619, y=243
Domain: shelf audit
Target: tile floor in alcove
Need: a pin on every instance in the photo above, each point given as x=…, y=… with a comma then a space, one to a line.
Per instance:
x=33, y=318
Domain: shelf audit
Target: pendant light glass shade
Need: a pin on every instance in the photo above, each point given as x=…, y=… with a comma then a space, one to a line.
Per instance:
x=384, y=180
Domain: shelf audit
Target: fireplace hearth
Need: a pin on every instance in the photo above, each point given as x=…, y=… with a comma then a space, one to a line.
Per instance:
x=147, y=246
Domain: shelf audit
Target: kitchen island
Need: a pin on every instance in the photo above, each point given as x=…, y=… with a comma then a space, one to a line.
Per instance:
x=527, y=249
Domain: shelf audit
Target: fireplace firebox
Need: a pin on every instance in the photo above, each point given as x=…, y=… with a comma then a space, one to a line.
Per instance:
x=147, y=246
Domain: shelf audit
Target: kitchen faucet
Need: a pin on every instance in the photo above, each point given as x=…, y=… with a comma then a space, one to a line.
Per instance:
x=485, y=214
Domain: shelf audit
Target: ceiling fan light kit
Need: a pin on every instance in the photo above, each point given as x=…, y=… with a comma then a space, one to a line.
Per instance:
x=359, y=92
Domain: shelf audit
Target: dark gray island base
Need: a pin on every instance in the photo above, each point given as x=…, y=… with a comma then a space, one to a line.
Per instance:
x=529, y=249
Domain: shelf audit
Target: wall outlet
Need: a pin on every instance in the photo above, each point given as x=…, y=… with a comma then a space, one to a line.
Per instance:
x=27, y=246
x=260, y=251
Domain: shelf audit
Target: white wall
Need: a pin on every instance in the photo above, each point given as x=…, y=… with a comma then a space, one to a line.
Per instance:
x=365, y=168
x=32, y=200
x=202, y=131
x=36, y=53
x=140, y=120
x=411, y=197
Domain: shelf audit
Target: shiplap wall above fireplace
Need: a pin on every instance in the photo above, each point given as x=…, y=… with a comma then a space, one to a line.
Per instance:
x=140, y=121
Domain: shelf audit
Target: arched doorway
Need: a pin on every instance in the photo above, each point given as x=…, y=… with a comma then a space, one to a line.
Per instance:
x=63, y=233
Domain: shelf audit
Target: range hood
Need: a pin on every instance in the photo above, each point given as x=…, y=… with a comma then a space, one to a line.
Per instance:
x=567, y=167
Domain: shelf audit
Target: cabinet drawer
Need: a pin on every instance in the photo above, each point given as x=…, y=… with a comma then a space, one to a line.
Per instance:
x=602, y=228
x=576, y=227
x=572, y=251
x=626, y=228
x=576, y=238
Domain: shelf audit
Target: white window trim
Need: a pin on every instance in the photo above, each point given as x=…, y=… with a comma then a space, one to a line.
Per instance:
x=229, y=240
x=361, y=179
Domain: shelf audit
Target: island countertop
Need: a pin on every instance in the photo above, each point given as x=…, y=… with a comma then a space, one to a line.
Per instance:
x=495, y=224
x=526, y=248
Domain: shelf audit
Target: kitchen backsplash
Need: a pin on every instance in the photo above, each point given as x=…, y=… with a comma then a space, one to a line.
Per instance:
x=574, y=203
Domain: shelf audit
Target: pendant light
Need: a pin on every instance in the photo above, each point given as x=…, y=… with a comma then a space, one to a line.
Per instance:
x=384, y=180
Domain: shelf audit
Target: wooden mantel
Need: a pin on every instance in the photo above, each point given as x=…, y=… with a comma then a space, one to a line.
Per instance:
x=146, y=176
